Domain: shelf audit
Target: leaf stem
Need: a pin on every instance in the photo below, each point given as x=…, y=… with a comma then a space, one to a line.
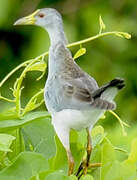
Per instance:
x=121, y=122
x=14, y=70
x=18, y=88
x=93, y=38
x=32, y=100
x=86, y=40
x=6, y=99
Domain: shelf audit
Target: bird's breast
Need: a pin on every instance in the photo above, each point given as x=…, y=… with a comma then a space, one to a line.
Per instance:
x=52, y=94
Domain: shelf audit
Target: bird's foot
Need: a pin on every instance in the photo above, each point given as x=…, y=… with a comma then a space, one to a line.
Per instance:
x=84, y=166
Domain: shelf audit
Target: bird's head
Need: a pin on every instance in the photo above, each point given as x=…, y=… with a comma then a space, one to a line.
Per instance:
x=46, y=18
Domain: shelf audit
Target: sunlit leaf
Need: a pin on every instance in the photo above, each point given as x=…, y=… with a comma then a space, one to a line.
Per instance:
x=103, y=116
x=26, y=165
x=5, y=142
x=59, y=176
x=101, y=23
x=107, y=158
x=41, y=76
x=97, y=135
x=87, y=177
x=133, y=154
x=30, y=106
x=59, y=161
x=8, y=115
x=40, y=135
x=79, y=53
x=41, y=176
x=34, y=102
x=15, y=88
x=123, y=35
x=39, y=66
x=97, y=130
x=11, y=124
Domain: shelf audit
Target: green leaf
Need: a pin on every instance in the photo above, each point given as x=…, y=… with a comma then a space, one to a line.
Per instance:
x=59, y=176
x=133, y=154
x=27, y=164
x=8, y=115
x=103, y=116
x=39, y=135
x=59, y=161
x=77, y=144
x=107, y=158
x=125, y=170
x=78, y=141
x=41, y=175
x=34, y=102
x=97, y=130
x=97, y=135
x=122, y=171
x=79, y=53
x=101, y=23
x=5, y=142
x=87, y=177
x=16, y=123
x=108, y=153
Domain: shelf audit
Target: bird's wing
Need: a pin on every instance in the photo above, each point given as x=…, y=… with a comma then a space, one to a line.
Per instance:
x=76, y=86
x=77, y=95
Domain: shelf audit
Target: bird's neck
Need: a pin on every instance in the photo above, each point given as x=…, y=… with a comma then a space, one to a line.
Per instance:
x=56, y=35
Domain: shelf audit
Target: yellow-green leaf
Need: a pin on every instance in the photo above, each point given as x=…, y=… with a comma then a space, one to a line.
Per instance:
x=101, y=23
x=40, y=66
x=87, y=177
x=5, y=142
x=97, y=130
x=103, y=116
x=123, y=35
x=79, y=53
x=133, y=154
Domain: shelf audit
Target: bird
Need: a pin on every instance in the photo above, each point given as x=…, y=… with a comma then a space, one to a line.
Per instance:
x=72, y=96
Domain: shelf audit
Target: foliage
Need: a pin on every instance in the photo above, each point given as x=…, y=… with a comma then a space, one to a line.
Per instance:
x=33, y=152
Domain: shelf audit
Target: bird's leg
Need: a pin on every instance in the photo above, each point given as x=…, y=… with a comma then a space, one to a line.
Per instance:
x=63, y=135
x=89, y=150
x=89, y=147
x=86, y=162
x=70, y=162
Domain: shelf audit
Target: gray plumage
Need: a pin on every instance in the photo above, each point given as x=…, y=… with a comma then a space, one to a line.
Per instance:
x=75, y=89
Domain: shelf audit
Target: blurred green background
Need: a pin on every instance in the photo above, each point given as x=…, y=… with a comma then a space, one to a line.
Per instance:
x=106, y=58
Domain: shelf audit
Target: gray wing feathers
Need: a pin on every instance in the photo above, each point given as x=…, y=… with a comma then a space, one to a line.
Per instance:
x=81, y=97
x=75, y=88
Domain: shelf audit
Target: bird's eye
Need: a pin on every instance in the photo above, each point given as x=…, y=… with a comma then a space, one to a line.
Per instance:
x=41, y=15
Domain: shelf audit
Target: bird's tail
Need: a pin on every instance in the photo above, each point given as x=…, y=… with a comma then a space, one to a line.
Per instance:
x=104, y=96
x=116, y=84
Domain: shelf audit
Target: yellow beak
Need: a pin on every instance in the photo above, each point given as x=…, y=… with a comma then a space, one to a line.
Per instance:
x=28, y=20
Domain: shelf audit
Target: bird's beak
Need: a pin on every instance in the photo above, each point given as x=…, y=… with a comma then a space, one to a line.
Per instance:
x=28, y=20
